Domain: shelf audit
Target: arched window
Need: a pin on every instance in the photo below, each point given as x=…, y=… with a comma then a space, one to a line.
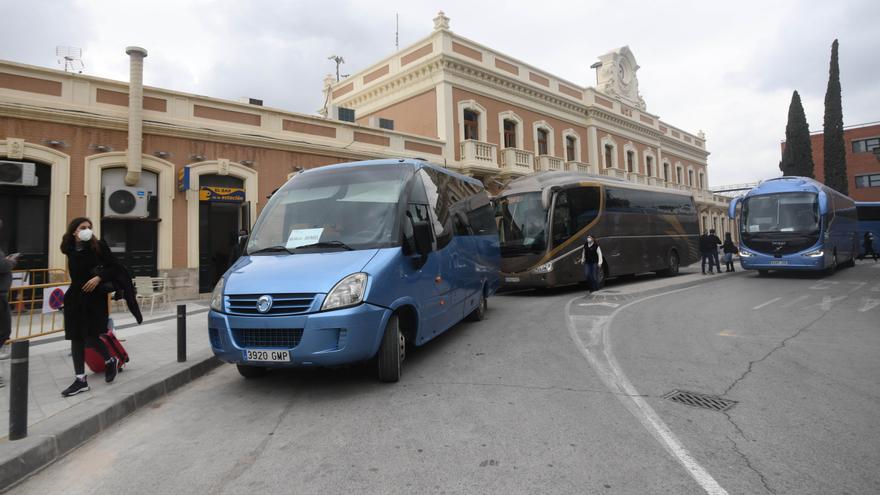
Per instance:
x=471, y=125
x=649, y=166
x=630, y=160
x=702, y=181
x=570, y=148
x=691, y=178
x=679, y=178
x=509, y=133
x=542, y=141
x=666, y=172
x=609, y=154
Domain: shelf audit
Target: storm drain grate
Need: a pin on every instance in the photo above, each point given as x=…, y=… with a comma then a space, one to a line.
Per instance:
x=703, y=401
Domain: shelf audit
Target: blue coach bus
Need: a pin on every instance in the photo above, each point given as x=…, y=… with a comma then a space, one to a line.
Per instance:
x=354, y=262
x=796, y=223
x=869, y=221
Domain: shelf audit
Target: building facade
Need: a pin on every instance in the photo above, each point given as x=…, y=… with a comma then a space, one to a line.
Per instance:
x=168, y=177
x=862, y=144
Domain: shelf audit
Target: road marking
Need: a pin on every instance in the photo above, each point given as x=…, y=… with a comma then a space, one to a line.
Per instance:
x=771, y=301
x=826, y=303
x=869, y=304
x=727, y=333
x=876, y=288
x=795, y=301
x=607, y=304
x=598, y=353
x=858, y=285
x=823, y=285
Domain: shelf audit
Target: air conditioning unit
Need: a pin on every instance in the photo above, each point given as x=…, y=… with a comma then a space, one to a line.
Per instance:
x=126, y=202
x=18, y=173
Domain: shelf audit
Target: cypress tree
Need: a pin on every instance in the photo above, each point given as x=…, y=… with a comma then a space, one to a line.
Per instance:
x=835, y=149
x=797, y=158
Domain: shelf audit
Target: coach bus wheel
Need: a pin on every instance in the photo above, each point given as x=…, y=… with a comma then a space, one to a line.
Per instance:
x=672, y=265
x=251, y=371
x=480, y=313
x=392, y=351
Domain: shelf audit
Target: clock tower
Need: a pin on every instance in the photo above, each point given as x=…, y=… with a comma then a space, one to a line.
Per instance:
x=616, y=76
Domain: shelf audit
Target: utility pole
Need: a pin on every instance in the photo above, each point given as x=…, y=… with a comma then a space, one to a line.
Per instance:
x=339, y=61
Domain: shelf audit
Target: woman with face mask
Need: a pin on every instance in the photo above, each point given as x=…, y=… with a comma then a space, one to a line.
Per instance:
x=89, y=262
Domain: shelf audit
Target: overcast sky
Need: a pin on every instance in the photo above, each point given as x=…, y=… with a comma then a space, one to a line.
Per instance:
x=727, y=68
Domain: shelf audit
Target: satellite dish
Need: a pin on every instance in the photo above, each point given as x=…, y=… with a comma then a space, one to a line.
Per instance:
x=71, y=56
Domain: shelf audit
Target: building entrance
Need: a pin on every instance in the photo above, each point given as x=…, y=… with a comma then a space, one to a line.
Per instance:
x=222, y=213
x=24, y=210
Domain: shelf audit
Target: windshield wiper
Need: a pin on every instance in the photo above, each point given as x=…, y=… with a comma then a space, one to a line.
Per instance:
x=272, y=249
x=338, y=244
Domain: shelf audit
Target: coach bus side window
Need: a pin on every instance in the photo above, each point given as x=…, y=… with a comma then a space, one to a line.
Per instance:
x=574, y=210
x=561, y=219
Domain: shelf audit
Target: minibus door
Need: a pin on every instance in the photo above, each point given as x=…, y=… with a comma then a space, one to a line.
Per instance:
x=423, y=279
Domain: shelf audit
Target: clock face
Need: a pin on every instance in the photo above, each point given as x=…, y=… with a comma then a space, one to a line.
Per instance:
x=623, y=74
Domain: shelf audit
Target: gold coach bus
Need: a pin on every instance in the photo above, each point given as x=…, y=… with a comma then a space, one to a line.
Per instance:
x=543, y=221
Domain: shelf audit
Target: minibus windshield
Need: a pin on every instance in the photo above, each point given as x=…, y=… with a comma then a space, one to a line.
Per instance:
x=780, y=213
x=522, y=223
x=337, y=209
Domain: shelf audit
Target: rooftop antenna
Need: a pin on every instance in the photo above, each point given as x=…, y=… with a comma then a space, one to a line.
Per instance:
x=397, y=31
x=72, y=57
x=339, y=61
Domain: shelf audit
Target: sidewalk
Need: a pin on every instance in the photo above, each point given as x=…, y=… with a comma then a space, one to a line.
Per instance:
x=57, y=424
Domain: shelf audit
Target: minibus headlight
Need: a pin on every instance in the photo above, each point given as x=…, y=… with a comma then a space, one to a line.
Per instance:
x=348, y=292
x=545, y=268
x=814, y=254
x=745, y=254
x=217, y=295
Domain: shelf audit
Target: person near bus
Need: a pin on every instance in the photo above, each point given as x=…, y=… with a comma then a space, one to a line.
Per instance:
x=715, y=243
x=592, y=258
x=729, y=249
x=7, y=263
x=706, y=248
x=869, y=246
x=89, y=262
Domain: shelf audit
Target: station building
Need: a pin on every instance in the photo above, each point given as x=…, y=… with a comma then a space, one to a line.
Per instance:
x=168, y=177
x=862, y=143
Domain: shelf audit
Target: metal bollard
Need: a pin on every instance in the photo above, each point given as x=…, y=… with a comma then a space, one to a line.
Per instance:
x=181, y=333
x=18, y=390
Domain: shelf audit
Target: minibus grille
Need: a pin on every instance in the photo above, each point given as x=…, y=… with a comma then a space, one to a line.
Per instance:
x=282, y=304
x=281, y=338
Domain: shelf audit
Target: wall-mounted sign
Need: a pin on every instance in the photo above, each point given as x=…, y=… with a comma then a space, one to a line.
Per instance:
x=216, y=193
x=183, y=179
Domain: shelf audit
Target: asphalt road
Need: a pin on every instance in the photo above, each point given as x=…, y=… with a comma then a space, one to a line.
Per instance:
x=552, y=393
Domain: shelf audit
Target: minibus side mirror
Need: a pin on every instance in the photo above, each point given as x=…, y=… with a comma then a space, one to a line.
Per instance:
x=731, y=210
x=422, y=236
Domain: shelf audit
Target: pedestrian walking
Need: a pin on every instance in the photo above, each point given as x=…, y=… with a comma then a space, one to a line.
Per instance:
x=706, y=248
x=729, y=249
x=592, y=259
x=7, y=263
x=89, y=263
x=715, y=243
x=869, y=246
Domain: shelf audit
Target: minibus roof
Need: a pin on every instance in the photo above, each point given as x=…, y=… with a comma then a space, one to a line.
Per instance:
x=413, y=163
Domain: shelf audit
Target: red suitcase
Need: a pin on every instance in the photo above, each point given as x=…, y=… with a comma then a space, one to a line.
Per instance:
x=114, y=347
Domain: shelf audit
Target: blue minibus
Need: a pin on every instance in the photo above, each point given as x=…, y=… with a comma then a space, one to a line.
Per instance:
x=795, y=223
x=869, y=221
x=354, y=262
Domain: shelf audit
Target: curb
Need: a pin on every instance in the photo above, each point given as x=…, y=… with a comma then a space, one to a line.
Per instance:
x=51, y=439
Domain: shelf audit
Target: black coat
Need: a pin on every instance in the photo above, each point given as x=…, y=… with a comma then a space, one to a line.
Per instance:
x=85, y=314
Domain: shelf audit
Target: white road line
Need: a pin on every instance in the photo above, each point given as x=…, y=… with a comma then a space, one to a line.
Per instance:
x=869, y=304
x=795, y=301
x=598, y=354
x=606, y=304
x=771, y=301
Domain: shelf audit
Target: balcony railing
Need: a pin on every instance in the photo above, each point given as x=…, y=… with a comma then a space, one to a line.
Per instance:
x=614, y=172
x=580, y=167
x=514, y=160
x=479, y=154
x=550, y=163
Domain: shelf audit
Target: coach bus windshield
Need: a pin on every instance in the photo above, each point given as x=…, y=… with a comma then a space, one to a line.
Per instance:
x=522, y=223
x=344, y=208
x=781, y=213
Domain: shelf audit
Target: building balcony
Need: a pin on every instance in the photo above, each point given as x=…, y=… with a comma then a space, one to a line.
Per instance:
x=479, y=155
x=654, y=181
x=614, y=172
x=580, y=167
x=548, y=163
x=517, y=161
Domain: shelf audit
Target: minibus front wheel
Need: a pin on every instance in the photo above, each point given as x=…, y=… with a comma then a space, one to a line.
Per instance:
x=392, y=351
x=479, y=313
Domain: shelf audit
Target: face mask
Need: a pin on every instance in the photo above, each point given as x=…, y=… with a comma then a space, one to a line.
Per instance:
x=85, y=235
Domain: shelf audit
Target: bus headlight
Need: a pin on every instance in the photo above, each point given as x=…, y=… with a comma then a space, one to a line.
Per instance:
x=745, y=254
x=348, y=292
x=217, y=296
x=545, y=268
x=814, y=254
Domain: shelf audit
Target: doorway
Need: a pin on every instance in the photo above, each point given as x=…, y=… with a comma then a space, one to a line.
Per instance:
x=222, y=213
x=25, y=214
